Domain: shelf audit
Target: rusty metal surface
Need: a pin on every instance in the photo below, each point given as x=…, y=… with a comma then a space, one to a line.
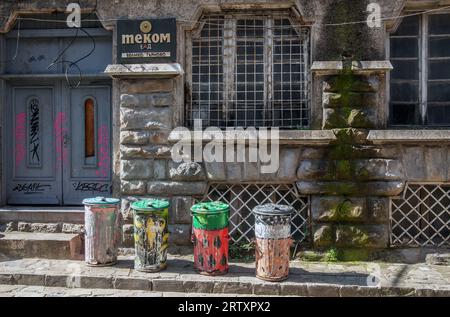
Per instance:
x=272, y=259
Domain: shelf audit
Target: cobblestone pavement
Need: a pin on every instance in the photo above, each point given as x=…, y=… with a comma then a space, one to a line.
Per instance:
x=306, y=279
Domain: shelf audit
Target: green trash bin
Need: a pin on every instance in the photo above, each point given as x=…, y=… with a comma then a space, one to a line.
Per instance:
x=210, y=237
x=151, y=234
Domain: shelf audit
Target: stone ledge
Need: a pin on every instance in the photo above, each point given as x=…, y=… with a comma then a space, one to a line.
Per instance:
x=306, y=279
x=358, y=67
x=408, y=136
x=301, y=137
x=144, y=70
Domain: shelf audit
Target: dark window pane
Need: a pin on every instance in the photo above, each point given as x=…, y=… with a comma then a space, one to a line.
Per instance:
x=439, y=69
x=439, y=47
x=408, y=92
x=409, y=26
x=404, y=114
x=439, y=92
x=89, y=128
x=439, y=24
x=405, y=69
x=438, y=115
x=404, y=47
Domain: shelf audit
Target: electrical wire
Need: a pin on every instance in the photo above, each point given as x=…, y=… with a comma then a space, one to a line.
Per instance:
x=257, y=26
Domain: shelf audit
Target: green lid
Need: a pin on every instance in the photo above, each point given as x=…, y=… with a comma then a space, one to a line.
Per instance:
x=101, y=201
x=210, y=215
x=150, y=205
x=212, y=207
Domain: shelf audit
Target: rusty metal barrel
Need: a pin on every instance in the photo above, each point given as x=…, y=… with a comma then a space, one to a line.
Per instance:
x=210, y=237
x=151, y=234
x=102, y=230
x=273, y=241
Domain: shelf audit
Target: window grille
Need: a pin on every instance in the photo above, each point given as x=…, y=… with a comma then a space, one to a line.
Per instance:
x=243, y=198
x=250, y=72
x=420, y=80
x=422, y=216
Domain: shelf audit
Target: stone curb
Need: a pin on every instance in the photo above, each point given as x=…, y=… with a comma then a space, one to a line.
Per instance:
x=221, y=286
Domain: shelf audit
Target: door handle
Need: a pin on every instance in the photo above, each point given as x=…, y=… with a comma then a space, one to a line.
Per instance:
x=66, y=140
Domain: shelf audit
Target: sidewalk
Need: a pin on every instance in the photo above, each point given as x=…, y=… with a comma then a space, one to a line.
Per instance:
x=306, y=279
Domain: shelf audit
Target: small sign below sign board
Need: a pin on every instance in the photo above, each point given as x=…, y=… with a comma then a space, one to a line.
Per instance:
x=152, y=40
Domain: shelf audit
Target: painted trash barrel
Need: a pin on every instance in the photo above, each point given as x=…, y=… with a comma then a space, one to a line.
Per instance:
x=210, y=237
x=273, y=241
x=102, y=230
x=151, y=234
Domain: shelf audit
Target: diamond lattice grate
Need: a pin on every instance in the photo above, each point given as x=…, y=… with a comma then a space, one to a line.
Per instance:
x=242, y=198
x=422, y=216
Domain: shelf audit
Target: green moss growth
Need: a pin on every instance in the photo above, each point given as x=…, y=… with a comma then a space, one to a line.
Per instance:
x=332, y=255
x=354, y=255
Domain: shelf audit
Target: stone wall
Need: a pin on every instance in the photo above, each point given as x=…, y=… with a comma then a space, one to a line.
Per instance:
x=146, y=170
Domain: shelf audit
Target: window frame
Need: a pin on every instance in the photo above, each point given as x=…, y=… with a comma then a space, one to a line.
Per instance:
x=423, y=72
x=230, y=19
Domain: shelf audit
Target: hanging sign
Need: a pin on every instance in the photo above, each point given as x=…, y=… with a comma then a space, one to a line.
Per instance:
x=152, y=40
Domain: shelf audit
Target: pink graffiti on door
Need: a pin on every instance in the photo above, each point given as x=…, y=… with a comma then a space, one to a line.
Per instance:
x=60, y=133
x=20, y=138
x=103, y=160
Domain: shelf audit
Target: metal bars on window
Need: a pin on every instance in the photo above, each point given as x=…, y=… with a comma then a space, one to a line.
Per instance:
x=422, y=216
x=420, y=81
x=250, y=72
x=242, y=198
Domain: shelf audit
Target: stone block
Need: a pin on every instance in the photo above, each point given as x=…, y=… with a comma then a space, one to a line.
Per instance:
x=289, y=161
x=350, y=100
x=250, y=172
x=176, y=188
x=378, y=209
x=338, y=209
x=136, y=169
x=359, y=83
x=308, y=153
x=379, y=169
x=146, y=152
x=162, y=100
x=351, y=136
x=233, y=172
x=385, y=189
x=181, y=209
x=180, y=235
x=46, y=227
x=160, y=169
x=436, y=167
x=362, y=236
x=414, y=163
x=135, y=100
x=323, y=236
x=314, y=169
x=215, y=171
x=134, y=137
x=136, y=86
x=191, y=171
x=145, y=119
x=133, y=187
x=72, y=228
x=159, y=137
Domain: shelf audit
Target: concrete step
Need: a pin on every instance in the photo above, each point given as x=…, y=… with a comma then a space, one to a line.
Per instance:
x=42, y=214
x=42, y=245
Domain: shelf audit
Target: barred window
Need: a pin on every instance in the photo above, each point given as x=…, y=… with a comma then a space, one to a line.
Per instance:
x=420, y=81
x=250, y=71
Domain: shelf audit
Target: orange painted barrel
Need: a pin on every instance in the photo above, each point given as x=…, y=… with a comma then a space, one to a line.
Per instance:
x=273, y=241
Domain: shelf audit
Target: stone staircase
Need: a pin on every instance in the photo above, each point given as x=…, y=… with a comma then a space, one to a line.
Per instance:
x=42, y=232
